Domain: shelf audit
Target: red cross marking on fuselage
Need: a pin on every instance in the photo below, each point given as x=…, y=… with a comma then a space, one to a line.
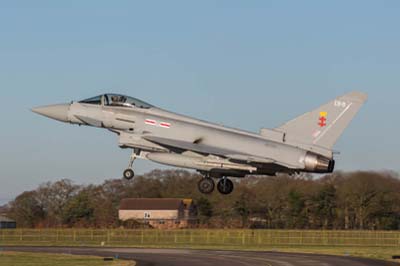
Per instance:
x=322, y=121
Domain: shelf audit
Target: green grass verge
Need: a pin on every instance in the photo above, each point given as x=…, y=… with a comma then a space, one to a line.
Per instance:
x=361, y=252
x=44, y=259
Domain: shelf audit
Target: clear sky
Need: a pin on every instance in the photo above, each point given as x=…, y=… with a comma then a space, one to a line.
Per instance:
x=247, y=64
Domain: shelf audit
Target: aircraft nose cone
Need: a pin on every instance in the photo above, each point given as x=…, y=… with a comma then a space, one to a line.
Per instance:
x=57, y=111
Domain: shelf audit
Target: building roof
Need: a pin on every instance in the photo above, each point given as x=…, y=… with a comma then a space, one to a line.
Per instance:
x=150, y=204
x=5, y=219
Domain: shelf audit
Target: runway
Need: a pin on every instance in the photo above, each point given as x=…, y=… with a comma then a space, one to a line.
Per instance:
x=184, y=257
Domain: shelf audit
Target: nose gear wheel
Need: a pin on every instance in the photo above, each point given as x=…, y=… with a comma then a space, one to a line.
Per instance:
x=129, y=173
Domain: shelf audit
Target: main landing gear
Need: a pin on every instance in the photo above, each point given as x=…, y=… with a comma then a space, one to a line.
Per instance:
x=206, y=185
x=129, y=173
x=224, y=186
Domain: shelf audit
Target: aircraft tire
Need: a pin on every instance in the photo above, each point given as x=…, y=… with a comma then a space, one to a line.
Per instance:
x=129, y=174
x=225, y=186
x=206, y=185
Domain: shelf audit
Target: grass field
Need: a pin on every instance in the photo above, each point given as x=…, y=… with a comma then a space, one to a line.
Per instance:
x=43, y=259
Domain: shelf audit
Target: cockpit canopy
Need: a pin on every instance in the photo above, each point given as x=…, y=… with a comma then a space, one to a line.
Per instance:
x=117, y=100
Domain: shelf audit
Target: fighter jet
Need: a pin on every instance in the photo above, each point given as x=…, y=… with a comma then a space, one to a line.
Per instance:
x=304, y=144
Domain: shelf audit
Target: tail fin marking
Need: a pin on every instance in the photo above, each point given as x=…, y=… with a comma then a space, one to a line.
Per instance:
x=323, y=126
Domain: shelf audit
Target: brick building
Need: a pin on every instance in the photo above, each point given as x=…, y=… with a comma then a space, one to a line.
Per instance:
x=159, y=213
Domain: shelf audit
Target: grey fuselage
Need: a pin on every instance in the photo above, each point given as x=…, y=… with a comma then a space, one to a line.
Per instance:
x=300, y=145
x=130, y=124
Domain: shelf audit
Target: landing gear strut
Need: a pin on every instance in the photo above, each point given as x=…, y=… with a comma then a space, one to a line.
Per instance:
x=129, y=173
x=206, y=185
x=225, y=186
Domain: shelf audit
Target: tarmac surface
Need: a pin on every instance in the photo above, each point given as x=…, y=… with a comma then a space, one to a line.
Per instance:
x=185, y=257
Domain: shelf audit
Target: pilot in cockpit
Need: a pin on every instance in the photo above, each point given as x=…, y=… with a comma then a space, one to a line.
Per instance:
x=114, y=99
x=117, y=100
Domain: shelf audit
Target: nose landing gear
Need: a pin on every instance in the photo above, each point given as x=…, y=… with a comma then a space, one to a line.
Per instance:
x=129, y=173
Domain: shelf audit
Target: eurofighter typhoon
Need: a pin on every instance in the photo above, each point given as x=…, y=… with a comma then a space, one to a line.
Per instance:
x=303, y=144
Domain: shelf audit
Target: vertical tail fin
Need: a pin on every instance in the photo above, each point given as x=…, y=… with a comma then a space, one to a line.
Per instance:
x=323, y=126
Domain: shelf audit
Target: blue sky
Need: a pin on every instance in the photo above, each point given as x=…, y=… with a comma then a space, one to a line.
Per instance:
x=247, y=64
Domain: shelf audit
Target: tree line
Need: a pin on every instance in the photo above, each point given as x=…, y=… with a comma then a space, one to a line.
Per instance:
x=354, y=200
